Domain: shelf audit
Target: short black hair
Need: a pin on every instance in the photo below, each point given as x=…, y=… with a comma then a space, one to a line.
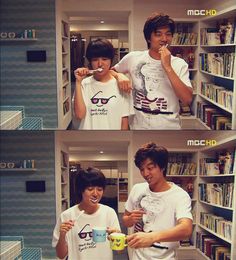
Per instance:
x=156, y=21
x=157, y=154
x=100, y=48
x=88, y=178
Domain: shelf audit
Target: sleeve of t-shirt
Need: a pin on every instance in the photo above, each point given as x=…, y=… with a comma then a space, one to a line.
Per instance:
x=183, y=207
x=84, y=92
x=56, y=233
x=123, y=65
x=113, y=220
x=127, y=106
x=184, y=74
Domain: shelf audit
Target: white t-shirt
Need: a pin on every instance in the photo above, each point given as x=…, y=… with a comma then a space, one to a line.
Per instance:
x=156, y=104
x=79, y=238
x=163, y=209
x=105, y=105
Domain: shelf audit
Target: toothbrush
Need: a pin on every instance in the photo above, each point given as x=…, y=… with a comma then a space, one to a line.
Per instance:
x=81, y=213
x=96, y=70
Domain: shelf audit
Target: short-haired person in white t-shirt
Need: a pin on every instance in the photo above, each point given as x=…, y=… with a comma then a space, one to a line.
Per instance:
x=159, y=211
x=159, y=80
x=98, y=101
x=72, y=236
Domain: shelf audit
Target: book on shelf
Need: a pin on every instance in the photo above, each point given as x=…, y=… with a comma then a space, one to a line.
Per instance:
x=221, y=64
x=211, y=246
x=217, y=224
x=66, y=106
x=213, y=117
x=218, y=94
x=217, y=193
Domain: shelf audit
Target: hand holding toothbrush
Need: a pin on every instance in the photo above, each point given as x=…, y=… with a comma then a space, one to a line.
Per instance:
x=165, y=57
x=81, y=73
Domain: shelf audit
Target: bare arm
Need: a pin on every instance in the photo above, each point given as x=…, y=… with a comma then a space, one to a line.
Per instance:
x=182, y=91
x=182, y=230
x=123, y=81
x=62, y=247
x=131, y=218
x=79, y=105
x=124, y=123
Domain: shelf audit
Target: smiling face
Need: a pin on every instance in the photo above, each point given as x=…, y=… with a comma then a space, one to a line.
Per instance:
x=152, y=173
x=160, y=37
x=92, y=195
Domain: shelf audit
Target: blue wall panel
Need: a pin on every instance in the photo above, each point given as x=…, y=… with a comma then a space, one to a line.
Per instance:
x=31, y=84
x=31, y=215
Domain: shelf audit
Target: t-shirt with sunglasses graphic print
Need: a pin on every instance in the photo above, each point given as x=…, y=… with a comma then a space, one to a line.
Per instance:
x=105, y=105
x=80, y=238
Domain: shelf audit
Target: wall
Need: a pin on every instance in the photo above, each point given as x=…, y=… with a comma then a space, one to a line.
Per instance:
x=32, y=85
x=31, y=215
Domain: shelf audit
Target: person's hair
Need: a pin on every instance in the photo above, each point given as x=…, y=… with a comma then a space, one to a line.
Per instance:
x=89, y=178
x=154, y=22
x=157, y=154
x=100, y=48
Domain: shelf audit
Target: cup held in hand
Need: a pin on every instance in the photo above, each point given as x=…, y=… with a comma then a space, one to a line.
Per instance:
x=99, y=234
x=118, y=241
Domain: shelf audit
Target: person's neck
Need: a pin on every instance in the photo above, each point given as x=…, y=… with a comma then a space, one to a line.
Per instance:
x=103, y=78
x=161, y=186
x=154, y=54
x=87, y=209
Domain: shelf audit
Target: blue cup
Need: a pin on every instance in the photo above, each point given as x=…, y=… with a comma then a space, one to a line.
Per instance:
x=99, y=234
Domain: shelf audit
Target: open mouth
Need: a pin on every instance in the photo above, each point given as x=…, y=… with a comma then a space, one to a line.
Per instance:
x=148, y=179
x=94, y=200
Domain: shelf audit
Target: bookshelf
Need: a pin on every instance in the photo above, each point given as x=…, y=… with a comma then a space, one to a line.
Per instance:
x=182, y=170
x=216, y=99
x=65, y=191
x=63, y=72
x=216, y=214
x=185, y=44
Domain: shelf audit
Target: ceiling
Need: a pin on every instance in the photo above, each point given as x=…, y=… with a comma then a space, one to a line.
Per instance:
x=89, y=20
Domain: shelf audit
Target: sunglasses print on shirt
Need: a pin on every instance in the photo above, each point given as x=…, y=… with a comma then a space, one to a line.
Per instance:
x=83, y=234
x=103, y=101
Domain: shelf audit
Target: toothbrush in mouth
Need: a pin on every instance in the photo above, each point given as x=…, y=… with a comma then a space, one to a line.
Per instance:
x=96, y=70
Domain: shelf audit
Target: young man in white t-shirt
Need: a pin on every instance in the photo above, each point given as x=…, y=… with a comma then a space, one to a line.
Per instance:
x=98, y=101
x=159, y=211
x=159, y=80
x=72, y=236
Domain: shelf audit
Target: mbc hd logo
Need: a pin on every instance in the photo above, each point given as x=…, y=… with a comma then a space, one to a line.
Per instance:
x=202, y=142
x=203, y=12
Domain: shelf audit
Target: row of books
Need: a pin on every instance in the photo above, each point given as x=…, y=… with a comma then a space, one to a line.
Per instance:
x=221, y=64
x=180, y=38
x=211, y=247
x=209, y=36
x=213, y=117
x=222, y=164
x=179, y=168
x=217, y=193
x=217, y=224
x=218, y=94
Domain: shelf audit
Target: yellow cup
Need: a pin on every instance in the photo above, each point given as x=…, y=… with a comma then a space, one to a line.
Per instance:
x=118, y=241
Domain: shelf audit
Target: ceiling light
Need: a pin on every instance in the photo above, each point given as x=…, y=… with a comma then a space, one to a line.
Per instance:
x=102, y=21
x=101, y=152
